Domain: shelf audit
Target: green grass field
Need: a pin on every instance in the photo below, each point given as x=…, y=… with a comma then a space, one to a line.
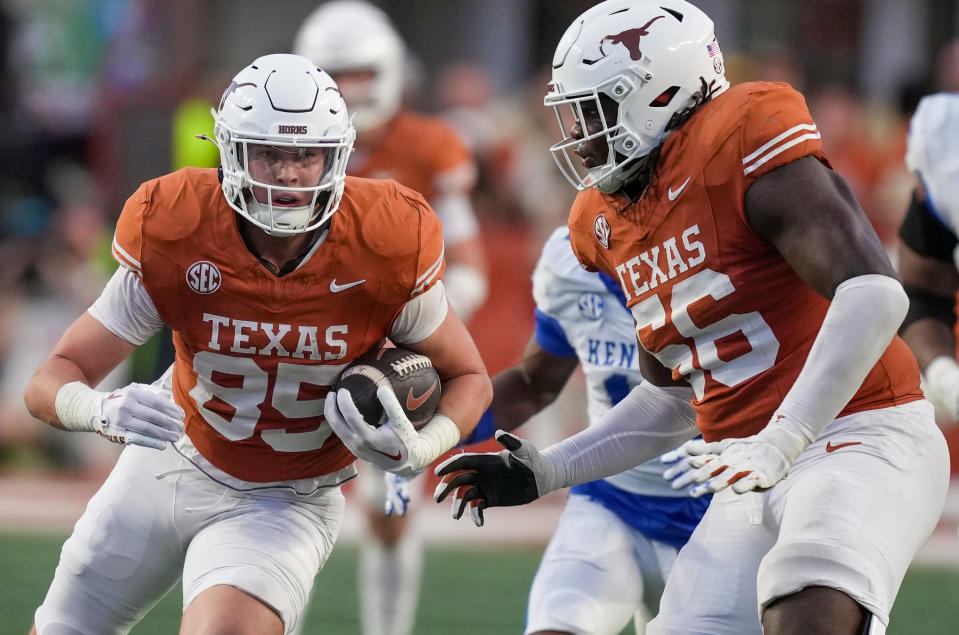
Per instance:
x=465, y=591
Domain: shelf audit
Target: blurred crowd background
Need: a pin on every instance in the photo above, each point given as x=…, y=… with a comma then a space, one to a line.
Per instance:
x=97, y=96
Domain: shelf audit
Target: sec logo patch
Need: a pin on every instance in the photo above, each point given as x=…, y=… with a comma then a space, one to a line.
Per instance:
x=591, y=305
x=203, y=277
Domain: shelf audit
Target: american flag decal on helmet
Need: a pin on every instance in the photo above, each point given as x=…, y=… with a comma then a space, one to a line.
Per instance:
x=713, y=48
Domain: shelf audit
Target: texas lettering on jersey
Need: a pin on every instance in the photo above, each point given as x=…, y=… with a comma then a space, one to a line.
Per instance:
x=284, y=340
x=661, y=263
x=256, y=353
x=712, y=300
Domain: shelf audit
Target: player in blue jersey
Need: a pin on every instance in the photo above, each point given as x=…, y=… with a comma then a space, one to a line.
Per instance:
x=929, y=249
x=617, y=537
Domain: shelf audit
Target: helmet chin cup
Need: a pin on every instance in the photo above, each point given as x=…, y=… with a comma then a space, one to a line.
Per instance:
x=279, y=221
x=611, y=182
x=616, y=177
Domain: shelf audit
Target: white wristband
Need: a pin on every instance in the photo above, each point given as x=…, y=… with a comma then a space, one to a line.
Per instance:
x=942, y=382
x=436, y=437
x=78, y=406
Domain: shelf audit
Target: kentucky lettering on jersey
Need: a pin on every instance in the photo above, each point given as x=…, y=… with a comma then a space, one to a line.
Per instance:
x=611, y=353
x=256, y=353
x=713, y=301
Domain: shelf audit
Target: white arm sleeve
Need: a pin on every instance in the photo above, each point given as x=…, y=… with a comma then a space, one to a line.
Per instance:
x=421, y=316
x=456, y=213
x=126, y=309
x=858, y=327
x=466, y=289
x=651, y=420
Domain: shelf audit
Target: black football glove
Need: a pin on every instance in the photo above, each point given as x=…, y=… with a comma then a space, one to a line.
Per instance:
x=514, y=476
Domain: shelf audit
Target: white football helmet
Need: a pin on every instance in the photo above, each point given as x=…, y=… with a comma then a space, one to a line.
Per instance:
x=353, y=35
x=645, y=60
x=282, y=106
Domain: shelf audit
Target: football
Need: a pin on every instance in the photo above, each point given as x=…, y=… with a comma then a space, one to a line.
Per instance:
x=412, y=377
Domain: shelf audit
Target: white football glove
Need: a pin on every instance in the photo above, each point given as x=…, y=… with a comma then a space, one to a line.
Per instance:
x=750, y=463
x=136, y=414
x=395, y=446
x=397, y=494
x=678, y=471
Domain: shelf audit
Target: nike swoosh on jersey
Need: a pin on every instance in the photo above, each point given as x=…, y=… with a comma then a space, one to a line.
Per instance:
x=674, y=194
x=832, y=448
x=412, y=403
x=336, y=288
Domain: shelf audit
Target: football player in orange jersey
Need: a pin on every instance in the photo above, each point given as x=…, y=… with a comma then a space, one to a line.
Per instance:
x=273, y=274
x=767, y=311
x=357, y=44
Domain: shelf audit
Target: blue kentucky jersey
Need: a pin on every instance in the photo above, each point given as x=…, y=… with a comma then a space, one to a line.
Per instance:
x=930, y=146
x=584, y=314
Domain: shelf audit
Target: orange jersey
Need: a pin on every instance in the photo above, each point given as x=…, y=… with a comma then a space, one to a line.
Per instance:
x=418, y=151
x=255, y=353
x=712, y=300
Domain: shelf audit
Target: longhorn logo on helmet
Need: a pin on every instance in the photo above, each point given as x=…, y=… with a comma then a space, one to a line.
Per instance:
x=628, y=38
